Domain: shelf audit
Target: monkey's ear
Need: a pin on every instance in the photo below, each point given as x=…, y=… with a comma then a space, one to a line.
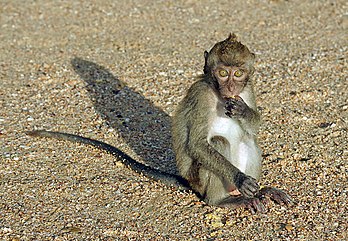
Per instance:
x=205, y=70
x=206, y=55
x=232, y=37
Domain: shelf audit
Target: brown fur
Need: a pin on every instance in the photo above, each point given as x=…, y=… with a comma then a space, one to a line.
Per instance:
x=209, y=163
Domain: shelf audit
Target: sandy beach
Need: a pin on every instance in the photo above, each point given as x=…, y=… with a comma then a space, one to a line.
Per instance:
x=115, y=71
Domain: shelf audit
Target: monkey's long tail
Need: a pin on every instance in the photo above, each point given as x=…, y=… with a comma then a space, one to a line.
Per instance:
x=157, y=175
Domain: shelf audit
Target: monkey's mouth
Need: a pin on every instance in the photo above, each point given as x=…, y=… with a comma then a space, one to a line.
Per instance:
x=227, y=97
x=226, y=94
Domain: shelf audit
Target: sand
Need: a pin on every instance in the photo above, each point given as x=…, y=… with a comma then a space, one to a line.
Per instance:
x=116, y=70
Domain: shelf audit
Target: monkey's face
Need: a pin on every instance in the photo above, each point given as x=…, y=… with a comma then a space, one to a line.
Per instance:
x=231, y=79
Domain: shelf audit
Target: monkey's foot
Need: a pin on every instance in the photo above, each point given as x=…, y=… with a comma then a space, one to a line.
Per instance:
x=276, y=195
x=252, y=204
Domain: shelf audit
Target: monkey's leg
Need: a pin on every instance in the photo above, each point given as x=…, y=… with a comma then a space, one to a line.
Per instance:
x=276, y=195
x=221, y=193
x=218, y=194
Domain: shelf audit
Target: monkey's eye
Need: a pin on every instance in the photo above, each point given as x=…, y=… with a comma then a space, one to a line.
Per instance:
x=223, y=73
x=238, y=73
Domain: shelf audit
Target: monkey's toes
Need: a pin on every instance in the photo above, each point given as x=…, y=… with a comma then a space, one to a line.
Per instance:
x=277, y=195
x=255, y=205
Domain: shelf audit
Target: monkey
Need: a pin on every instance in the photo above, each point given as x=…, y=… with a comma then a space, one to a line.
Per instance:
x=214, y=132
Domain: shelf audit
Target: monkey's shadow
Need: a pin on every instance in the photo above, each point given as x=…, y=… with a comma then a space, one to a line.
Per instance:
x=144, y=127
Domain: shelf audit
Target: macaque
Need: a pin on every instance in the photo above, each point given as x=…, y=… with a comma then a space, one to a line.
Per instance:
x=214, y=135
x=215, y=128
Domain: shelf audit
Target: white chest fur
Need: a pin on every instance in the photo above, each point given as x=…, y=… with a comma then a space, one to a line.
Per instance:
x=241, y=148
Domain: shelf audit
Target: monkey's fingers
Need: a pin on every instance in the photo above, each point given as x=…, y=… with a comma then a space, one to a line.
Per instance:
x=230, y=114
x=233, y=112
x=231, y=104
x=235, y=107
x=235, y=100
x=246, y=185
x=249, y=188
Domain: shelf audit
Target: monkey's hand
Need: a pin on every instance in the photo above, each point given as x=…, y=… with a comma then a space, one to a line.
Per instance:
x=246, y=185
x=236, y=108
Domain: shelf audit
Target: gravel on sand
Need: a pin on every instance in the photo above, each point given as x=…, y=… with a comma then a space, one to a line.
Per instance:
x=115, y=71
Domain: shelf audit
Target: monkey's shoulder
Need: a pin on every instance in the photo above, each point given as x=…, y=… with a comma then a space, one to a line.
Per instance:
x=197, y=108
x=203, y=92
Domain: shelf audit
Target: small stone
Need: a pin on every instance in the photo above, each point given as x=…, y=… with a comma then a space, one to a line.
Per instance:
x=289, y=227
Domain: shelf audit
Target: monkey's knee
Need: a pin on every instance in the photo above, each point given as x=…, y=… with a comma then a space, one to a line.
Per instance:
x=215, y=191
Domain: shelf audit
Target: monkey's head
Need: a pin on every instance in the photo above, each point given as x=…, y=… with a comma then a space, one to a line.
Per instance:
x=230, y=64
